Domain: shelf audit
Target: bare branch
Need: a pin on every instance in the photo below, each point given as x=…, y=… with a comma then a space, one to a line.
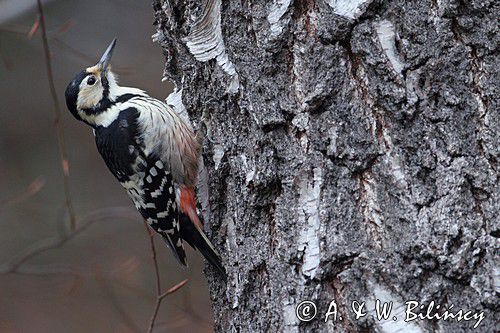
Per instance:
x=51, y=244
x=57, y=119
x=34, y=28
x=173, y=289
x=153, y=316
x=159, y=295
x=153, y=255
x=32, y=189
x=66, y=26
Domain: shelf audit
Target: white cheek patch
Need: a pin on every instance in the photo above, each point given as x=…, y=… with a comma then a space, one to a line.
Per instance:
x=104, y=118
x=89, y=96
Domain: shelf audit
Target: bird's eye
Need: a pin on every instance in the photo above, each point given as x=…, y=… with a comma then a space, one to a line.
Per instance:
x=91, y=81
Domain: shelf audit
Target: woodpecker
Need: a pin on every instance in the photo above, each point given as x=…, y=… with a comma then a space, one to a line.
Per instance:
x=152, y=152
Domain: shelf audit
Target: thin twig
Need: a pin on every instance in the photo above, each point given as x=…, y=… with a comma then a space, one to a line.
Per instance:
x=66, y=26
x=51, y=244
x=34, y=28
x=160, y=298
x=72, y=270
x=31, y=190
x=57, y=119
x=157, y=276
x=20, y=29
x=153, y=255
x=173, y=289
x=153, y=316
x=159, y=295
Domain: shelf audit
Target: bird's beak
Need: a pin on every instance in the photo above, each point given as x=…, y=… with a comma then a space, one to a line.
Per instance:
x=106, y=57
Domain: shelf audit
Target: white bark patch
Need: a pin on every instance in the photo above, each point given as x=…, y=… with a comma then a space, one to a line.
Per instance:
x=348, y=8
x=233, y=248
x=298, y=69
x=393, y=159
x=333, y=135
x=371, y=208
x=278, y=9
x=301, y=123
x=387, y=37
x=480, y=105
x=435, y=14
x=496, y=279
x=157, y=36
x=175, y=101
x=309, y=208
x=398, y=310
x=218, y=155
x=250, y=175
x=203, y=191
x=290, y=318
x=412, y=90
x=205, y=41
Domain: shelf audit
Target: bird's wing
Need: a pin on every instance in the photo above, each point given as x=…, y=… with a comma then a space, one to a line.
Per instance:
x=170, y=139
x=171, y=142
x=161, y=208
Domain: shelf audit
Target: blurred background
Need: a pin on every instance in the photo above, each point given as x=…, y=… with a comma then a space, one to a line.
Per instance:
x=102, y=279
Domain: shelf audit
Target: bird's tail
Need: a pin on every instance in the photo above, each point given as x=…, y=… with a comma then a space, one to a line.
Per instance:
x=191, y=230
x=195, y=237
x=177, y=247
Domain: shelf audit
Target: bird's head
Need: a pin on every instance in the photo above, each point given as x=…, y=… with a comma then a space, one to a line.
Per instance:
x=88, y=93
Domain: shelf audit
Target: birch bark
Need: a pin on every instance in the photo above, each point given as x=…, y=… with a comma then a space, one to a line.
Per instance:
x=352, y=154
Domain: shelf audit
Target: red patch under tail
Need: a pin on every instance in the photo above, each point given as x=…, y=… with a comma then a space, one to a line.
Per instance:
x=188, y=205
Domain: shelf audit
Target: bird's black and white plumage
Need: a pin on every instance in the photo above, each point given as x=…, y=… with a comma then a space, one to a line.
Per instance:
x=149, y=149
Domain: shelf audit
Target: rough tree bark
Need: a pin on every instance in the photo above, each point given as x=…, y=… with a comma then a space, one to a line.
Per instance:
x=352, y=151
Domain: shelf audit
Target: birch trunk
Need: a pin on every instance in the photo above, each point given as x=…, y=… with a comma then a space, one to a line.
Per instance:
x=351, y=150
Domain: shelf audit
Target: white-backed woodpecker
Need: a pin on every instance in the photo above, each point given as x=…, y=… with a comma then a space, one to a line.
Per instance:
x=152, y=152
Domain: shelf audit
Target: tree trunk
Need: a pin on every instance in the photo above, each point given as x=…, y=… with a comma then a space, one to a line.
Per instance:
x=351, y=149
